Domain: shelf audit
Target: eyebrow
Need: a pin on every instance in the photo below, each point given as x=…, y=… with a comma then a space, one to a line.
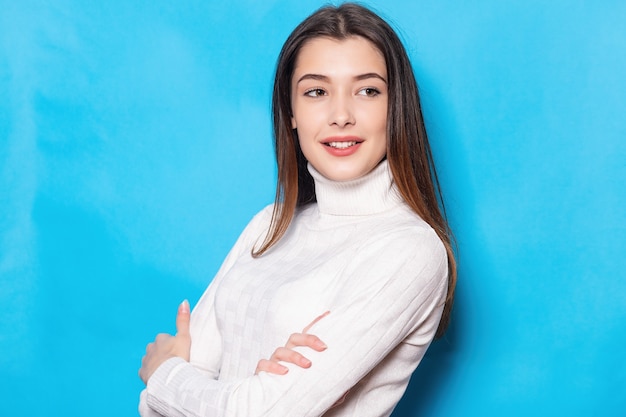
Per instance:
x=324, y=78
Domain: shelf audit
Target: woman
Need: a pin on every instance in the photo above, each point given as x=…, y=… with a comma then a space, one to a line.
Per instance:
x=355, y=240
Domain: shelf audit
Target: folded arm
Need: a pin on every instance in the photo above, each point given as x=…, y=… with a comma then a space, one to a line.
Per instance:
x=387, y=299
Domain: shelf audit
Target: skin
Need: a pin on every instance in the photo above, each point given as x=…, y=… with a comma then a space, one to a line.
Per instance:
x=338, y=94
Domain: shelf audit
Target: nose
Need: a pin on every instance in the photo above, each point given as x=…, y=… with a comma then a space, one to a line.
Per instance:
x=341, y=113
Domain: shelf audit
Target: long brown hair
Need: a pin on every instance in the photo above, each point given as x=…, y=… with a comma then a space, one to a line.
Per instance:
x=408, y=150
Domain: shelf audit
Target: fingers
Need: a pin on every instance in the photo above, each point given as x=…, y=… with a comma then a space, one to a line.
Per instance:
x=301, y=339
x=288, y=355
x=150, y=360
x=285, y=355
x=182, y=319
x=318, y=318
x=271, y=367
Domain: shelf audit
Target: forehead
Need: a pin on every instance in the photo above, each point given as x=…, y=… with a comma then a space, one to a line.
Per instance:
x=329, y=55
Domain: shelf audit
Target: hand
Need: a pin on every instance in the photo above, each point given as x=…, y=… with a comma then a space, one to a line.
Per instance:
x=287, y=354
x=166, y=346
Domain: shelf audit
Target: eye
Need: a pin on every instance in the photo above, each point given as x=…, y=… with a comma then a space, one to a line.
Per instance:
x=315, y=92
x=369, y=92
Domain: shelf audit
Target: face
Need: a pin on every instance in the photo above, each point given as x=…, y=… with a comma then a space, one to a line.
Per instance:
x=339, y=104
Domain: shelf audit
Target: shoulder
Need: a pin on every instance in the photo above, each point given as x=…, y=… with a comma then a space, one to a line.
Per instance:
x=255, y=230
x=405, y=246
x=404, y=231
x=401, y=260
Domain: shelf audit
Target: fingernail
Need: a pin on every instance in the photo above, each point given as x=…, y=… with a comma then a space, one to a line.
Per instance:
x=305, y=362
x=320, y=345
x=284, y=370
x=184, y=306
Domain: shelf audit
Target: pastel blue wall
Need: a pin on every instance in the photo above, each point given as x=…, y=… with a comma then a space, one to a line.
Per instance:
x=135, y=144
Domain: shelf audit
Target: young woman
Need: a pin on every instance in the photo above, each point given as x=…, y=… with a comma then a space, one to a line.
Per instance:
x=355, y=247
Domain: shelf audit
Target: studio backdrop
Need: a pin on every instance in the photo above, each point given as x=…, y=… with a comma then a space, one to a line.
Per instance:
x=136, y=143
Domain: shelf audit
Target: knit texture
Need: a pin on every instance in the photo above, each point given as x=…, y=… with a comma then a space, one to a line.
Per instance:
x=360, y=253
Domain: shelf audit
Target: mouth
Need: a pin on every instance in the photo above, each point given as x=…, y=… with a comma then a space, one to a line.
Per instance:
x=341, y=143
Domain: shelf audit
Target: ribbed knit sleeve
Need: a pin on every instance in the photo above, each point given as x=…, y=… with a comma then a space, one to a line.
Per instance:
x=391, y=293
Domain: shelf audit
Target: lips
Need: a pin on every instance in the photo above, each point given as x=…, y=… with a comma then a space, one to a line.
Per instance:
x=342, y=142
x=342, y=146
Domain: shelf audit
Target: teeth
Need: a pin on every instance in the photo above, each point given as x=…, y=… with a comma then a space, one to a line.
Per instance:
x=341, y=145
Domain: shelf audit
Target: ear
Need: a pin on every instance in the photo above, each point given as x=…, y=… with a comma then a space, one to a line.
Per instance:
x=293, y=123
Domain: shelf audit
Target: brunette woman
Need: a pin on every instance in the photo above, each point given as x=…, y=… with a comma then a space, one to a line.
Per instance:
x=355, y=242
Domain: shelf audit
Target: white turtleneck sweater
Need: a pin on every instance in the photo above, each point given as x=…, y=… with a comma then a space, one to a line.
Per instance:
x=360, y=253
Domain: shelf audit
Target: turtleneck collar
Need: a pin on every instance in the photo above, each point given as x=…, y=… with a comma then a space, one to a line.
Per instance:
x=370, y=194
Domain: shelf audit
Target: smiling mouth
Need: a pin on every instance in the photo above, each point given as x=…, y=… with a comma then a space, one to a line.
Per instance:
x=341, y=145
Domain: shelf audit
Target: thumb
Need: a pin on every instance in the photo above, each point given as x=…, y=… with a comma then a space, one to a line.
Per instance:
x=182, y=319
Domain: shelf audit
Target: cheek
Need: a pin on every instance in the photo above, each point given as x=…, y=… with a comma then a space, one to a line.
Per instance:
x=306, y=126
x=383, y=118
x=383, y=134
x=381, y=150
x=382, y=128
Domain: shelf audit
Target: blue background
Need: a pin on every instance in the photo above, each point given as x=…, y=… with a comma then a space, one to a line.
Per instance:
x=135, y=144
